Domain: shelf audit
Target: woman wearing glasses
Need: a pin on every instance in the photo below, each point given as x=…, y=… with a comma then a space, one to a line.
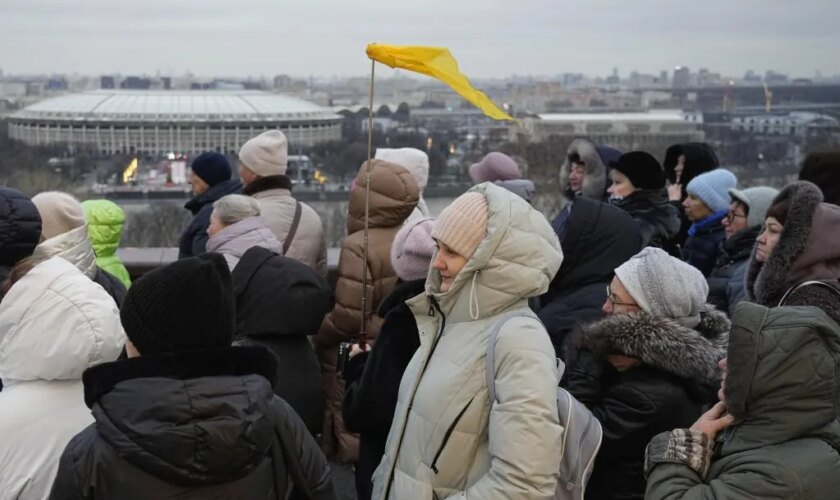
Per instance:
x=648, y=367
x=742, y=225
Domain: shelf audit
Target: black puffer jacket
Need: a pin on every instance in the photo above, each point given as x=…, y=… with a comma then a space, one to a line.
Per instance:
x=677, y=377
x=279, y=303
x=702, y=248
x=20, y=229
x=598, y=238
x=373, y=381
x=194, y=238
x=197, y=425
x=727, y=281
x=658, y=220
x=699, y=158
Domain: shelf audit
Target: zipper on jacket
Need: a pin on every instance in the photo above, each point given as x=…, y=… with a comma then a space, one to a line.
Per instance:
x=448, y=434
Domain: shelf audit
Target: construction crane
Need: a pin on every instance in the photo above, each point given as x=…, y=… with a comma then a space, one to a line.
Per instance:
x=768, y=99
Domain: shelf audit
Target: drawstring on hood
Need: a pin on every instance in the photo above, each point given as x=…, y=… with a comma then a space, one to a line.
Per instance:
x=474, y=299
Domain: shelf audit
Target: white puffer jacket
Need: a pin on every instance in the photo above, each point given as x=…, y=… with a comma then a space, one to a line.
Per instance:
x=54, y=324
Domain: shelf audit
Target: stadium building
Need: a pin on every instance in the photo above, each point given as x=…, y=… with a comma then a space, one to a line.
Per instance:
x=158, y=123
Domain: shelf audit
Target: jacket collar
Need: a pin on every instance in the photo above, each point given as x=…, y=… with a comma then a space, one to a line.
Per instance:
x=212, y=194
x=710, y=224
x=270, y=182
x=74, y=246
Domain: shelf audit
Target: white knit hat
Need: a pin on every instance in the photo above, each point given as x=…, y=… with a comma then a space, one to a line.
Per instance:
x=266, y=154
x=413, y=160
x=60, y=213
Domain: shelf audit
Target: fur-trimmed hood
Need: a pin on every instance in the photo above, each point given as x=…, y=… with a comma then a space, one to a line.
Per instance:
x=597, y=167
x=662, y=343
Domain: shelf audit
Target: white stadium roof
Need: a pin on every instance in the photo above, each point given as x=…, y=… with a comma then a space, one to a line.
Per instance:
x=175, y=105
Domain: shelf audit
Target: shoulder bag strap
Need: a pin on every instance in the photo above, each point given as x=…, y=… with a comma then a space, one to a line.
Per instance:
x=793, y=289
x=490, y=359
x=290, y=236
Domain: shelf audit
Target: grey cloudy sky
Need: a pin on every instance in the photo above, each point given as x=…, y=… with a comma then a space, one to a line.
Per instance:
x=490, y=38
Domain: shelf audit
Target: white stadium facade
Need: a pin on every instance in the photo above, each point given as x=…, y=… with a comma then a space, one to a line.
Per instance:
x=170, y=121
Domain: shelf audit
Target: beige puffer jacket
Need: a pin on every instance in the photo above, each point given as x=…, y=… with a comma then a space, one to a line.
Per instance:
x=444, y=441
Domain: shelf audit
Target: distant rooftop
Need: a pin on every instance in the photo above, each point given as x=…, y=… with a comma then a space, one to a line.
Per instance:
x=658, y=116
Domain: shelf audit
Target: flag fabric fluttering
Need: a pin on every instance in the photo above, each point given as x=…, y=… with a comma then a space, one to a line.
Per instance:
x=438, y=63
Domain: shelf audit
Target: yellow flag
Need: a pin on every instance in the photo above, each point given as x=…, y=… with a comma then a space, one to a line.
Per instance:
x=438, y=63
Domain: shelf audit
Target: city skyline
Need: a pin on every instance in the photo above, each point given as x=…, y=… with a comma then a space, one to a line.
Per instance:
x=251, y=38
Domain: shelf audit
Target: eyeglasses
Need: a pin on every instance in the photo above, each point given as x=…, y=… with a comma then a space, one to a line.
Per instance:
x=730, y=216
x=615, y=302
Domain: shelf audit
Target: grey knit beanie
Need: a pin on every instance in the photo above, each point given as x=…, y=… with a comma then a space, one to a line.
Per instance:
x=664, y=286
x=758, y=200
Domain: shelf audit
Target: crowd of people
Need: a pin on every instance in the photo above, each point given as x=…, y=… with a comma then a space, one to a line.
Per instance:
x=697, y=320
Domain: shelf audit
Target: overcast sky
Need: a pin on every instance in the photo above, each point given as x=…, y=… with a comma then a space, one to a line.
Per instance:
x=490, y=38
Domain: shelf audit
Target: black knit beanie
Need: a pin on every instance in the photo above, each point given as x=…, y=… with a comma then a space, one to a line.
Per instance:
x=185, y=306
x=642, y=169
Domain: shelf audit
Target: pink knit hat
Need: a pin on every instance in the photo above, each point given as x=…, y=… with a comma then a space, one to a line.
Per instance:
x=463, y=224
x=411, y=253
x=495, y=167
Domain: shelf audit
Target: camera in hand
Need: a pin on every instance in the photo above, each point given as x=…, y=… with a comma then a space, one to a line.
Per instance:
x=343, y=356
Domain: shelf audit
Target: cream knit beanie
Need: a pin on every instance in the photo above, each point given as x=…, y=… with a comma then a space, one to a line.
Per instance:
x=266, y=154
x=60, y=213
x=463, y=224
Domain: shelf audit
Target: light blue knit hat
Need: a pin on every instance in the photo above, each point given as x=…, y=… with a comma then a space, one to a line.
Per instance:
x=713, y=188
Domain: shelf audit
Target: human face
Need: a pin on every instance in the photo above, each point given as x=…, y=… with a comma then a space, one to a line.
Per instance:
x=736, y=219
x=246, y=174
x=215, y=224
x=723, y=371
x=576, y=177
x=768, y=239
x=621, y=186
x=619, y=300
x=680, y=166
x=695, y=209
x=449, y=264
x=198, y=184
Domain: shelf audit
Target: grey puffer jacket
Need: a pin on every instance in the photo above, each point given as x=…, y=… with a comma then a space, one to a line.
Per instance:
x=233, y=241
x=782, y=388
x=446, y=440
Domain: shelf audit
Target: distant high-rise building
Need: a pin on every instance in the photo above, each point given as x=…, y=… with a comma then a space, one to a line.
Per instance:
x=167, y=83
x=57, y=83
x=773, y=78
x=136, y=83
x=107, y=82
x=751, y=77
x=682, y=77
x=613, y=79
x=663, y=77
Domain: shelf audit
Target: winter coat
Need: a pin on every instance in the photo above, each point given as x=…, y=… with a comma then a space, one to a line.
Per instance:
x=728, y=278
x=373, y=381
x=808, y=250
x=194, y=238
x=596, y=160
x=393, y=196
x=202, y=424
x=702, y=248
x=677, y=377
x=105, y=220
x=520, y=187
x=279, y=303
x=598, y=239
x=234, y=240
x=699, y=158
x=75, y=247
x=447, y=440
x=782, y=388
x=20, y=229
x=278, y=207
x=54, y=324
x=658, y=220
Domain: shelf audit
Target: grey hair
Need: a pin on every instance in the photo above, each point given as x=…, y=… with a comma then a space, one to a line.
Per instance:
x=235, y=208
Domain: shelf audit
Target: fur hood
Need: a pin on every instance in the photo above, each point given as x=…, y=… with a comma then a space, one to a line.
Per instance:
x=595, y=177
x=663, y=343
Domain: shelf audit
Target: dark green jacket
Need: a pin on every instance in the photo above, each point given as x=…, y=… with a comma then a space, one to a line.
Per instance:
x=783, y=388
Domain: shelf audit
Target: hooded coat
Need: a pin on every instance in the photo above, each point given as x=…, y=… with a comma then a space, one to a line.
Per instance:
x=393, y=197
x=808, y=250
x=727, y=281
x=699, y=158
x=54, y=324
x=782, y=388
x=20, y=229
x=234, y=240
x=75, y=247
x=105, y=220
x=279, y=303
x=447, y=440
x=278, y=207
x=194, y=238
x=658, y=220
x=678, y=375
x=203, y=424
x=598, y=239
x=596, y=160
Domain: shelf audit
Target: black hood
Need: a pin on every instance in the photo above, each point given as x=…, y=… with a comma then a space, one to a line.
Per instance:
x=190, y=419
x=598, y=239
x=699, y=158
x=213, y=194
x=20, y=226
x=404, y=291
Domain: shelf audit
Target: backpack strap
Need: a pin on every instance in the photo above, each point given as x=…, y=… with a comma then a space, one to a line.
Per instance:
x=290, y=236
x=793, y=289
x=490, y=358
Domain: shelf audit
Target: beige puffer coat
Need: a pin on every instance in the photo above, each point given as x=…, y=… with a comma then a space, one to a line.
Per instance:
x=445, y=441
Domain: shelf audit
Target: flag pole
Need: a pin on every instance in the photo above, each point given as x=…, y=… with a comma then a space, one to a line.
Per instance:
x=363, y=328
